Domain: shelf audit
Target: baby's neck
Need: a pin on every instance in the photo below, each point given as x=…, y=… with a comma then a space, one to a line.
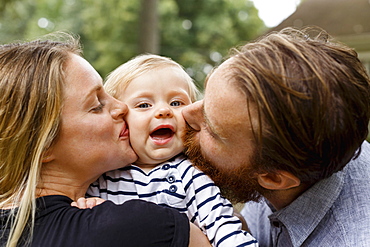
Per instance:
x=146, y=167
x=150, y=164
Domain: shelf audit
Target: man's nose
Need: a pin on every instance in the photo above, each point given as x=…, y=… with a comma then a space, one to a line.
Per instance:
x=193, y=114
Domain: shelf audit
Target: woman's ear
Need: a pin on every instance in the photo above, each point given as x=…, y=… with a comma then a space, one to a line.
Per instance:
x=48, y=156
x=281, y=180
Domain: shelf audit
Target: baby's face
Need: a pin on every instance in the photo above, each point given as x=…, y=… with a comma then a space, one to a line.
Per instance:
x=155, y=100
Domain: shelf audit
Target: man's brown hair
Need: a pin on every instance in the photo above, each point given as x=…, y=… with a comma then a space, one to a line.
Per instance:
x=312, y=97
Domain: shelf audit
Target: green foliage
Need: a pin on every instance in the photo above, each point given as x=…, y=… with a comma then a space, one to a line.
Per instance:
x=216, y=26
x=195, y=33
x=109, y=32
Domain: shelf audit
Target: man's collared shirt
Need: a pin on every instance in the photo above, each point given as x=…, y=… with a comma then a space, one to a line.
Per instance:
x=333, y=212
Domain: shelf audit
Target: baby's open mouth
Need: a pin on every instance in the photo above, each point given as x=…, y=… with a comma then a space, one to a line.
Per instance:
x=164, y=133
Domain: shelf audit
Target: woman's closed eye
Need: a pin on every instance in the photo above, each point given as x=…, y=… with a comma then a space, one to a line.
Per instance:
x=99, y=108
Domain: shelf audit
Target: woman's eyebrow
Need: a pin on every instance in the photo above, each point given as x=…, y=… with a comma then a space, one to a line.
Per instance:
x=93, y=91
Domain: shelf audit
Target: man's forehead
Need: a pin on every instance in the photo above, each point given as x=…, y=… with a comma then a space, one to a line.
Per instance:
x=219, y=70
x=225, y=109
x=226, y=122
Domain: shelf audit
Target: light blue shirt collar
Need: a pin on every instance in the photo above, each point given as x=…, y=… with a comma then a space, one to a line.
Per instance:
x=306, y=212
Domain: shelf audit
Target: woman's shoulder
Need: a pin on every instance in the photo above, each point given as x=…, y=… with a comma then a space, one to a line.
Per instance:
x=109, y=224
x=136, y=218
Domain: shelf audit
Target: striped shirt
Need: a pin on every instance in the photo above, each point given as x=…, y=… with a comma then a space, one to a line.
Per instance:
x=177, y=184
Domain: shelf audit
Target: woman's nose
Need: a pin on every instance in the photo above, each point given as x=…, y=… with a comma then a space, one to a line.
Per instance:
x=119, y=109
x=164, y=112
x=193, y=114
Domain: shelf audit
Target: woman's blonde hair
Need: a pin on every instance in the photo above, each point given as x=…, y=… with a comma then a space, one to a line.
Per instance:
x=118, y=80
x=31, y=85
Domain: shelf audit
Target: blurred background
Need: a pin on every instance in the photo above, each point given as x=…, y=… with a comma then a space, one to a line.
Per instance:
x=196, y=33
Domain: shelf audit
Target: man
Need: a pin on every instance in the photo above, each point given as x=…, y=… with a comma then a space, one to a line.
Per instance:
x=283, y=122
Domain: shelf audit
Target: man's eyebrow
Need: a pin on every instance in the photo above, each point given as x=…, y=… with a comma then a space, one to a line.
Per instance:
x=206, y=80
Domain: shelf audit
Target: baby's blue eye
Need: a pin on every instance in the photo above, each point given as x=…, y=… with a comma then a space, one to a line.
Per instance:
x=175, y=103
x=143, y=105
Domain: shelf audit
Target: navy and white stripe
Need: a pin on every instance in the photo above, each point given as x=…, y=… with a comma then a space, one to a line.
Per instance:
x=177, y=184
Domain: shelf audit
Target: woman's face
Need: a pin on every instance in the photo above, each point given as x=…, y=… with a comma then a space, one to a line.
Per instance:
x=93, y=137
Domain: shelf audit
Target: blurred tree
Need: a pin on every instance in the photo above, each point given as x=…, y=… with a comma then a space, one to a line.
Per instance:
x=195, y=33
x=149, y=30
x=3, y=4
x=14, y=20
x=198, y=34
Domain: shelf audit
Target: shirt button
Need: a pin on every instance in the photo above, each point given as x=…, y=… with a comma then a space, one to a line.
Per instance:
x=276, y=223
x=171, y=179
x=173, y=188
x=166, y=167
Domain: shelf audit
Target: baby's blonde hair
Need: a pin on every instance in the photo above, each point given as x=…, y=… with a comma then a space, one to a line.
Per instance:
x=118, y=80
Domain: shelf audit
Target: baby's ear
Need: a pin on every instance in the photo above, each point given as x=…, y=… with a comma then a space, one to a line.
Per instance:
x=281, y=180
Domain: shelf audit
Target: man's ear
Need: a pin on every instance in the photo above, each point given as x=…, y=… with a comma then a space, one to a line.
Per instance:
x=48, y=156
x=281, y=180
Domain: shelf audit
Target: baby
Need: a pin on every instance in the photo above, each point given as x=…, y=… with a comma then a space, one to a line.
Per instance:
x=156, y=89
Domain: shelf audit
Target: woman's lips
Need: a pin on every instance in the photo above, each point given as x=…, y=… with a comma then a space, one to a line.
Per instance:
x=124, y=132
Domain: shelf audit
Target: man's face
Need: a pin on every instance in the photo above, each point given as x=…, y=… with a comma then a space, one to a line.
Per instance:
x=222, y=142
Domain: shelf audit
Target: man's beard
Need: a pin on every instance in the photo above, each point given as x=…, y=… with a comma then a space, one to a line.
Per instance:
x=237, y=185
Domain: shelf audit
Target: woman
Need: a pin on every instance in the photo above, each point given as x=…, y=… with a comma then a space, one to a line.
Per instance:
x=59, y=131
